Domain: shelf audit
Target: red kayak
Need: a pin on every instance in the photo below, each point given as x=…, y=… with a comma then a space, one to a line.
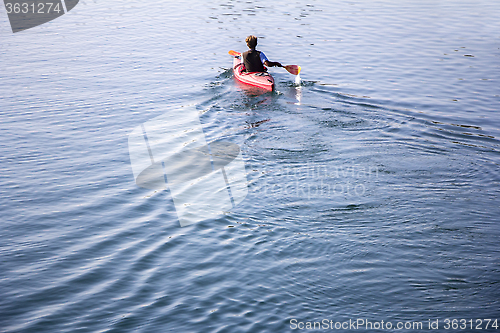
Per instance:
x=262, y=80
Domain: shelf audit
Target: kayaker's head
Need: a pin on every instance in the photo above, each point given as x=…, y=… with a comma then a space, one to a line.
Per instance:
x=251, y=42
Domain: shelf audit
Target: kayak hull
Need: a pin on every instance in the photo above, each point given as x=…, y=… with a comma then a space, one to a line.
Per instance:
x=262, y=80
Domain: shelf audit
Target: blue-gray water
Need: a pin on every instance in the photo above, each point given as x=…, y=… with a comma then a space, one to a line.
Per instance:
x=373, y=186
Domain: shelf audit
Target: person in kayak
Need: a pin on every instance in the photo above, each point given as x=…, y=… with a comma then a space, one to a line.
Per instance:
x=254, y=60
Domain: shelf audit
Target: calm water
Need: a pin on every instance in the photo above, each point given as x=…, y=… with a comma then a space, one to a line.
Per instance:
x=373, y=185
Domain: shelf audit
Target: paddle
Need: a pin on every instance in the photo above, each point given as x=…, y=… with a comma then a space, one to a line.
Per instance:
x=292, y=69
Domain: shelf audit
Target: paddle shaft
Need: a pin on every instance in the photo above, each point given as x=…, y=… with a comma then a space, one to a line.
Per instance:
x=292, y=69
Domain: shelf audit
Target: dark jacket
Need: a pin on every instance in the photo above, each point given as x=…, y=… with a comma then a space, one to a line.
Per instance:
x=252, y=62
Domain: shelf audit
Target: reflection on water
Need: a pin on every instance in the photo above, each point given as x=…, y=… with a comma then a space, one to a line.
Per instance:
x=298, y=94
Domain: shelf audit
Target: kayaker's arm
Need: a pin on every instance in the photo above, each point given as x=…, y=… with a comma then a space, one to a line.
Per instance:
x=272, y=64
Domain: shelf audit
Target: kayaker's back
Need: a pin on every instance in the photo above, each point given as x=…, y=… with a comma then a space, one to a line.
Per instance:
x=252, y=61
